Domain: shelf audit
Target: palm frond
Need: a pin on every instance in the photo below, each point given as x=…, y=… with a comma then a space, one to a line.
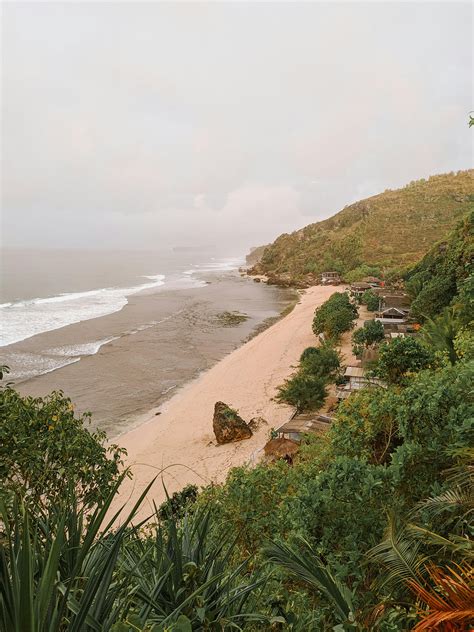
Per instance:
x=400, y=554
x=448, y=600
x=309, y=568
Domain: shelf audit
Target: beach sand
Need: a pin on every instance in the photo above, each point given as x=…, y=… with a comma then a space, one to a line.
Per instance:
x=179, y=444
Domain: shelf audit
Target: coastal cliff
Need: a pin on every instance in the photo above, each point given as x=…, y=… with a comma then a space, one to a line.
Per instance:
x=387, y=231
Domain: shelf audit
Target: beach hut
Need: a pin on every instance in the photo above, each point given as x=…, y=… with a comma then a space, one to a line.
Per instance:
x=330, y=278
x=358, y=289
x=355, y=378
x=304, y=423
x=281, y=449
x=392, y=316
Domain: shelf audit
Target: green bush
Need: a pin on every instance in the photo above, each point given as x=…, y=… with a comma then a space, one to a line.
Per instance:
x=323, y=361
x=305, y=391
x=307, y=388
x=179, y=503
x=399, y=358
x=45, y=448
x=335, y=316
x=367, y=336
x=371, y=300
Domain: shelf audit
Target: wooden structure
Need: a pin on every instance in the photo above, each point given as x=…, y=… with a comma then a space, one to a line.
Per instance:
x=281, y=448
x=358, y=289
x=330, y=278
x=304, y=423
x=392, y=315
x=354, y=379
x=399, y=300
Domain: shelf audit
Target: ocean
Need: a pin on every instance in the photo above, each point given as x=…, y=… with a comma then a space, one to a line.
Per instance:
x=120, y=331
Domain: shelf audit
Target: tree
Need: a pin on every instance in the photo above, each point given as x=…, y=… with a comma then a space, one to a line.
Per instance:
x=45, y=448
x=367, y=336
x=305, y=391
x=440, y=334
x=335, y=316
x=400, y=357
x=371, y=300
x=323, y=361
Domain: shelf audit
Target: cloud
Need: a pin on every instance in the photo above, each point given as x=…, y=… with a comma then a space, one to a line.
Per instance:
x=133, y=125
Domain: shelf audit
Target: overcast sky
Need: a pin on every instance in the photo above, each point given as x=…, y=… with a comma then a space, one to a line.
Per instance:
x=129, y=125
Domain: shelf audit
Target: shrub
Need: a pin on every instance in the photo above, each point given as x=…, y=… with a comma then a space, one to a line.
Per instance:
x=371, y=300
x=400, y=357
x=45, y=449
x=367, y=336
x=323, y=361
x=335, y=316
x=305, y=391
x=179, y=503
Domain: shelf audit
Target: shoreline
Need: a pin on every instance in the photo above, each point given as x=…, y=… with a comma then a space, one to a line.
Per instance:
x=159, y=342
x=179, y=445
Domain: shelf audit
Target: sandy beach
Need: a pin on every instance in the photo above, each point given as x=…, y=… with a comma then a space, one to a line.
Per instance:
x=179, y=444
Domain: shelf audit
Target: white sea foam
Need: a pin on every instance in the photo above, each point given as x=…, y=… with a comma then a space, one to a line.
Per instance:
x=74, y=351
x=25, y=365
x=217, y=265
x=24, y=319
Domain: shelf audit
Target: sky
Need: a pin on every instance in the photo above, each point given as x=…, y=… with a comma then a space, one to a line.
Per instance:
x=143, y=125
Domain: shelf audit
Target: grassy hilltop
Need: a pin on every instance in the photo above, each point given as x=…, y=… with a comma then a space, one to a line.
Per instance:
x=394, y=228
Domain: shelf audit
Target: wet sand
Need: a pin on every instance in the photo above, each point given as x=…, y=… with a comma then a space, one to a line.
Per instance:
x=163, y=339
x=179, y=444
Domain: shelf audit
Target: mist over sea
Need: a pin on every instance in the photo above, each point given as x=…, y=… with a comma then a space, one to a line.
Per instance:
x=119, y=331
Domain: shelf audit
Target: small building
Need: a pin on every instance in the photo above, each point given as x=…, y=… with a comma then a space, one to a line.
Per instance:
x=355, y=378
x=373, y=281
x=330, y=278
x=394, y=299
x=392, y=316
x=304, y=423
x=358, y=289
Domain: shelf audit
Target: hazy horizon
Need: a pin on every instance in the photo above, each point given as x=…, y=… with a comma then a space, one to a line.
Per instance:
x=139, y=126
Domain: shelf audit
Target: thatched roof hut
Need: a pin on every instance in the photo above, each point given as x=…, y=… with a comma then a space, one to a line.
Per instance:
x=281, y=449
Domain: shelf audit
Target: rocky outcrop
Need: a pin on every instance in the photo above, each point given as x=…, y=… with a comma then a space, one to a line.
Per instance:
x=228, y=425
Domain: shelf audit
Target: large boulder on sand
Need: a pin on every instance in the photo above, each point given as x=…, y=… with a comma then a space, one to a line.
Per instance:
x=228, y=425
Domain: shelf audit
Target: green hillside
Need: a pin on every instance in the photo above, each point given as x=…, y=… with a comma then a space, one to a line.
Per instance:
x=394, y=228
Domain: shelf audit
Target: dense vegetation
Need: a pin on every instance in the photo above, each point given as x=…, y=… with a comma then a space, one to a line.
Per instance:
x=443, y=274
x=392, y=229
x=307, y=388
x=335, y=316
x=370, y=335
x=369, y=529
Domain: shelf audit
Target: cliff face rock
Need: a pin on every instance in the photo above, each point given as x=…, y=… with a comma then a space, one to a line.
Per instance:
x=228, y=425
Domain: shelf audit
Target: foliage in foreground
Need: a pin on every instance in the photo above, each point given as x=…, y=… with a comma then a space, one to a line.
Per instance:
x=45, y=447
x=387, y=451
x=71, y=570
